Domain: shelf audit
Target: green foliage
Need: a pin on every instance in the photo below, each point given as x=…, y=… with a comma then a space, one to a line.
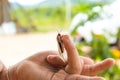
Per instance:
x=43, y=18
x=99, y=44
x=49, y=17
x=100, y=51
x=100, y=47
x=112, y=73
x=86, y=8
x=74, y=31
x=118, y=34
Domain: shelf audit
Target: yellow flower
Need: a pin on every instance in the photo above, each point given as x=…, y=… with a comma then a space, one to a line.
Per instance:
x=116, y=53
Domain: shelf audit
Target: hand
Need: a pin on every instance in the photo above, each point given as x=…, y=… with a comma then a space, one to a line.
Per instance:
x=37, y=67
x=42, y=67
x=89, y=67
x=2, y=71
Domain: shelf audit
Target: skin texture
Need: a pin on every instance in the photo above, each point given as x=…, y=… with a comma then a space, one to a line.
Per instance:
x=2, y=71
x=49, y=66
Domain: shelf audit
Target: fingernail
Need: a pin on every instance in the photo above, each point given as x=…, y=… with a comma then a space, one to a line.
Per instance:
x=51, y=57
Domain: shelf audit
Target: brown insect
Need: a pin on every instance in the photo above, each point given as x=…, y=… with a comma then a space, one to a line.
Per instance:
x=60, y=45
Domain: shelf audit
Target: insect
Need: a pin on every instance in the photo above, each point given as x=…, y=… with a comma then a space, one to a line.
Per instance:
x=60, y=45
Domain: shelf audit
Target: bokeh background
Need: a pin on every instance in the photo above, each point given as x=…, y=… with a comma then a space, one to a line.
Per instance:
x=31, y=26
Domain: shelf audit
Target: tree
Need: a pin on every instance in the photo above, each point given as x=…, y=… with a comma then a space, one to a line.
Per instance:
x=4, y=11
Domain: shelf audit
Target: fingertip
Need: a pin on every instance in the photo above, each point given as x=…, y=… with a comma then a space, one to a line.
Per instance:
x=52, y=58
x=66, y=39
x=111, y=61
x=49, y=57
x=55, y=60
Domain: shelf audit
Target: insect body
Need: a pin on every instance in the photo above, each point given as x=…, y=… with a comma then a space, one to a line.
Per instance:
x=60, y=45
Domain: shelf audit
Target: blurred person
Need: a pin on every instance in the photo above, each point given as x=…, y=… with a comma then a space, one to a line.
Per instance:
x=49, y=66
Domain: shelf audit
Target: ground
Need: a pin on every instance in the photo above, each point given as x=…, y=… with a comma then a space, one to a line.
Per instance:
x=14, y=48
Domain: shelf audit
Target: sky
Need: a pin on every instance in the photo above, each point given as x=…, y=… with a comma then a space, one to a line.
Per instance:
x=27, y=2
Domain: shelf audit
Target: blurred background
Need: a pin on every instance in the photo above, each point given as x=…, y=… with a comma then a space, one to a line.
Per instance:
x=28, y=27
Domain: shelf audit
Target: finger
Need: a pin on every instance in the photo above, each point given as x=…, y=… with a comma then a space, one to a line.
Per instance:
x=74, y=62
x=98, y=68
x=87, y=61
x=1, y=66
x=55, y=61
x=80, y=77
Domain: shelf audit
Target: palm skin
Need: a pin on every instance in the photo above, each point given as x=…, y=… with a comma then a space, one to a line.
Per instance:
x=37, y=68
